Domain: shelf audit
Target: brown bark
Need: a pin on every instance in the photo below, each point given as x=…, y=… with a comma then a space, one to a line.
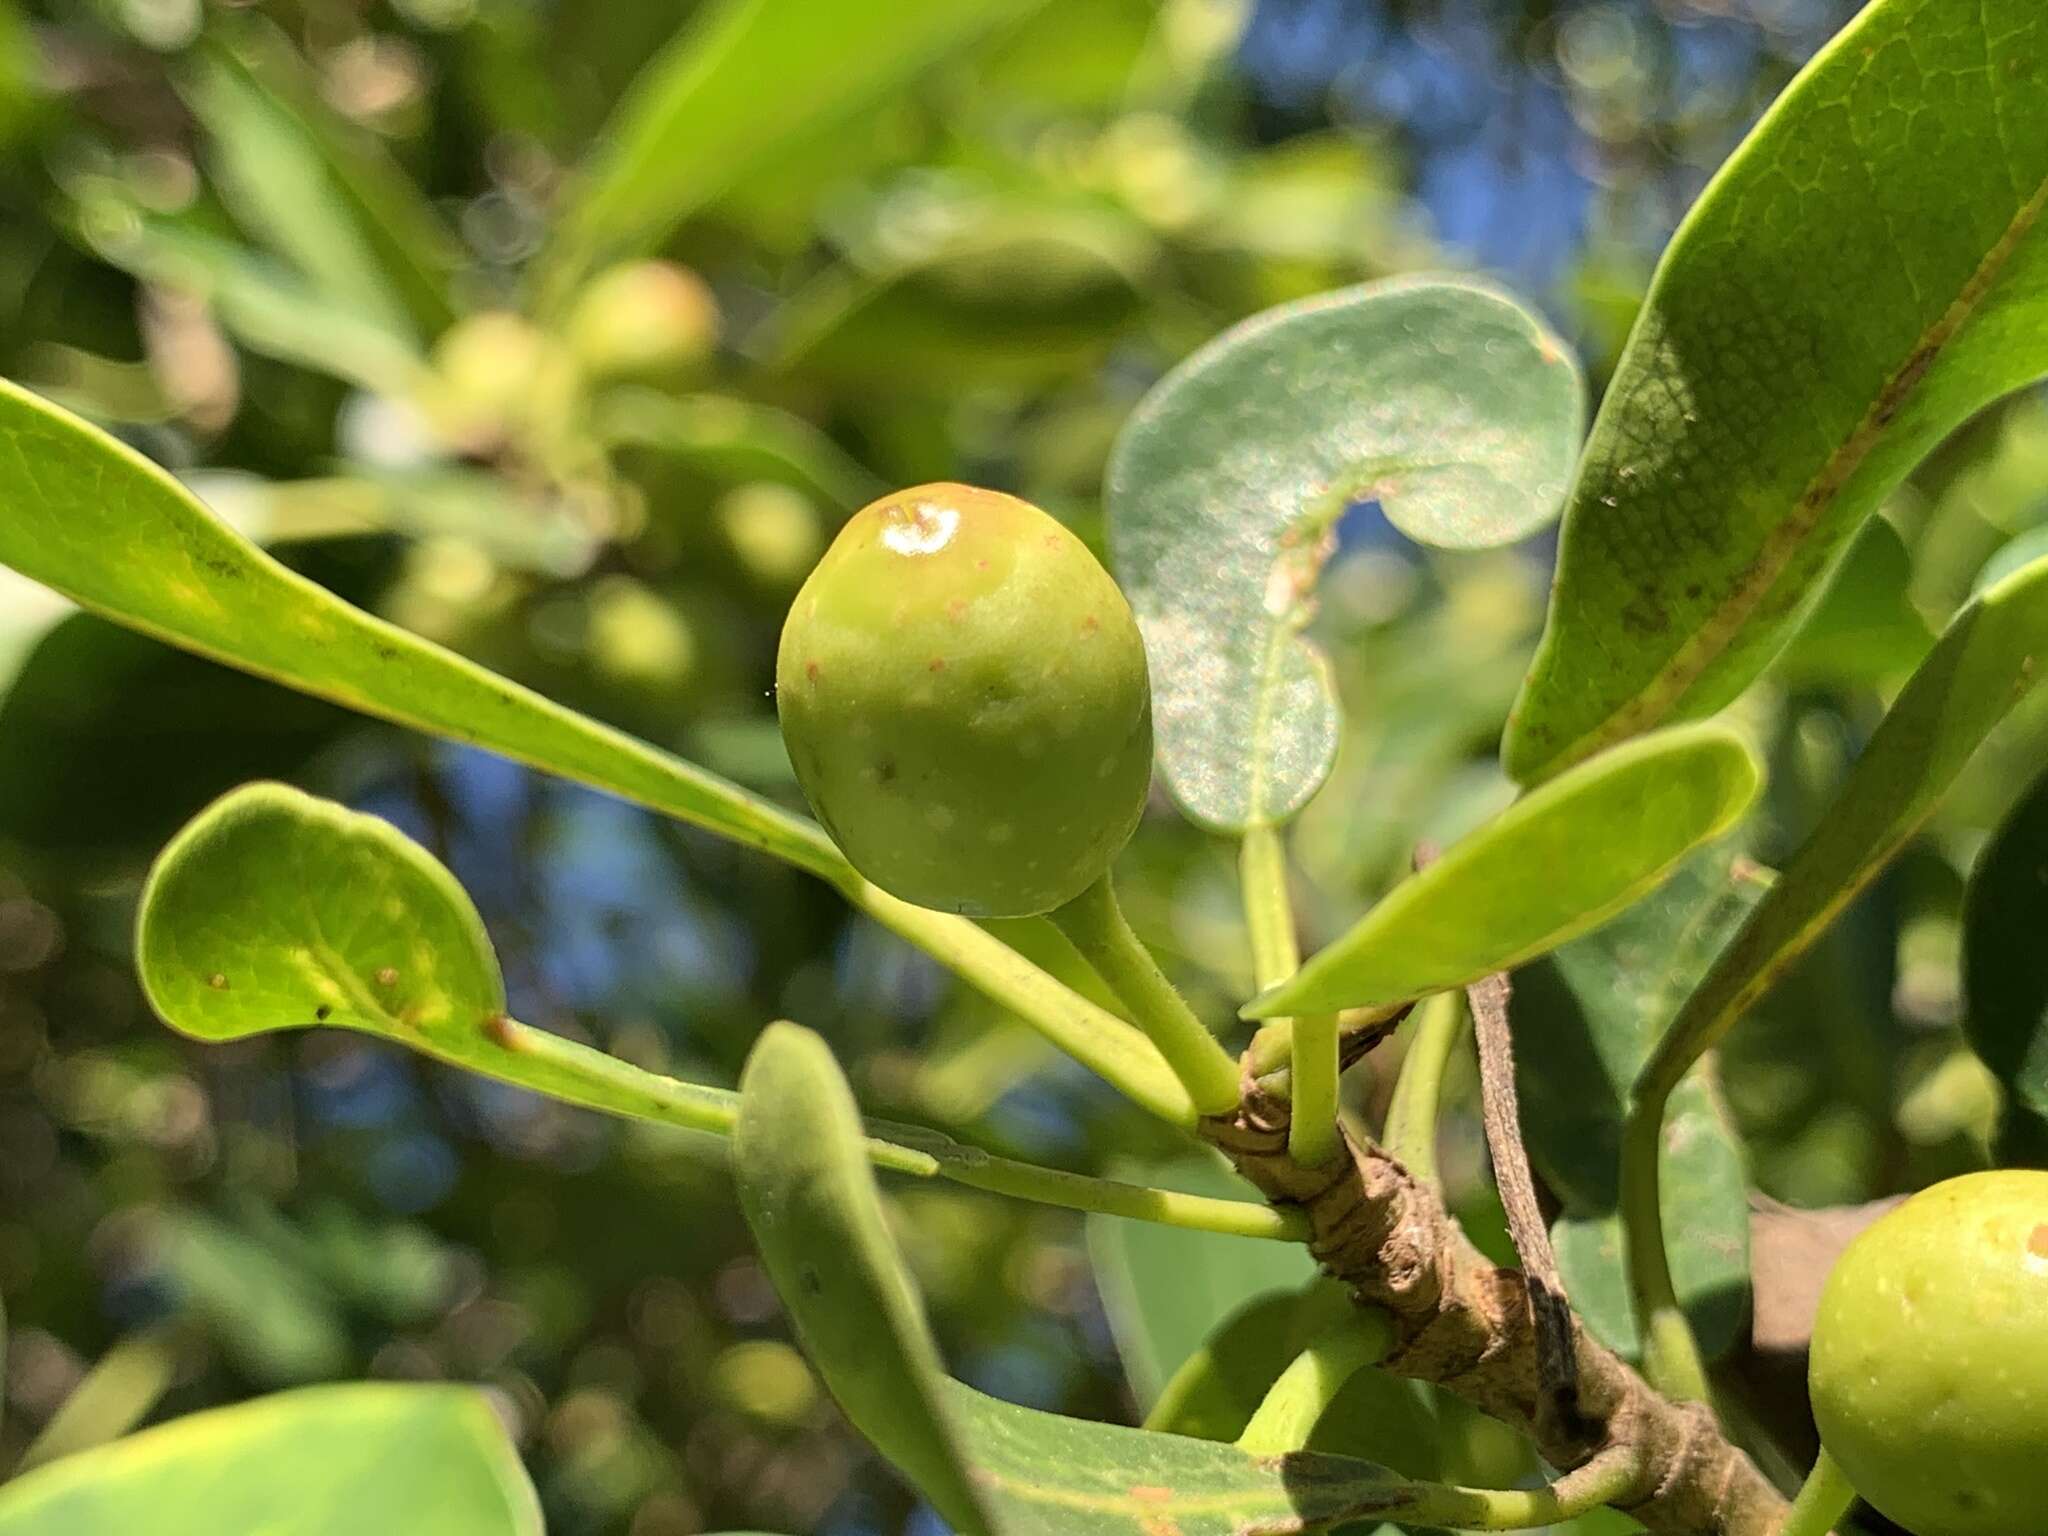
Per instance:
x=1464, y=1323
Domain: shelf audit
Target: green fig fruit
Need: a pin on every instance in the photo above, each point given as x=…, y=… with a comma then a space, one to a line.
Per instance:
x=964, y=697
x=650, y=320
x=1929, y=1372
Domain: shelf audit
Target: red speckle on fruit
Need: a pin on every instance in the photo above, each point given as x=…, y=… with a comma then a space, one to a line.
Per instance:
x=957, y=608
x=2038, y=1243
x=938, y=664
x=1090, y=624
x=811, y=670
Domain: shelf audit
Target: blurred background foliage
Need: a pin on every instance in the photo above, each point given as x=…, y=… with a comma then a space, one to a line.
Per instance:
x=305, y=255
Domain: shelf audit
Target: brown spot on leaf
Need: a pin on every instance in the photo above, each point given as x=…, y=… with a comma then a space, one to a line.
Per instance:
x=387, y=976
x=323, y=1013
x=498, y=1029
x=218, y=982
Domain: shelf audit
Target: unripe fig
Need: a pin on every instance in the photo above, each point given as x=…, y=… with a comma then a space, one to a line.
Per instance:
x=643, y=320
x=964, y=697
x=1929, y=1372
x=496, y=375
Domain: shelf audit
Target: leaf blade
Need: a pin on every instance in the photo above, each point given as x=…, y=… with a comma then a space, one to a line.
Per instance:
x=800, y=1161
x=1443, y=400
x=701, y=114
x=320, y=1461
x=71, y=493
x=1607, y=832
x=1796, y=356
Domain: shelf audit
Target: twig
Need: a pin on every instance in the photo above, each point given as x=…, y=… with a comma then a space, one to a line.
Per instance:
x=1557, y=1367
x=1464, y=1324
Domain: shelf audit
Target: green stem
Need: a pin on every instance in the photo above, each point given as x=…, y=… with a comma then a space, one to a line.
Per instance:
x=1418, y=1092
x=1610, y=1476
x=1671, y=1355
x=578, y=1074
x=1823, y=1499
x=112, y=1398
x=1312, y=1137
x=1095, y=923
x=1115, y=1051
x=1288, y=1414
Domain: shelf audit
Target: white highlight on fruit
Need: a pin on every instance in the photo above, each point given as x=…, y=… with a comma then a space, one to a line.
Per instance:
x=920, y=528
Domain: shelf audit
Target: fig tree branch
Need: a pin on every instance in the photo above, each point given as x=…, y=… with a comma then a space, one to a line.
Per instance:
x=1465, y=1324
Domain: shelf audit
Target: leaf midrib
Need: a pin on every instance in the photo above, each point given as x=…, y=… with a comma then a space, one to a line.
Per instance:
x=1709, y=641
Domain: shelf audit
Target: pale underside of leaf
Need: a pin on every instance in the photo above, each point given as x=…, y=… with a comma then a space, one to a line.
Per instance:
x=1440, y=401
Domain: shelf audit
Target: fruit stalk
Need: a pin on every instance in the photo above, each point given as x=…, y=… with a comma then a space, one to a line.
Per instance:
x=1096, y=924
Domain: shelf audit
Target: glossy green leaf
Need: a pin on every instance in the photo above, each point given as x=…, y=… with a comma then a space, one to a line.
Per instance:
x=1047, y=1475
x=1601, y=835
x=742, y=80
x=273, y=907
x=1166, y=1291
x=1987, y=659
x=1586, y=1017
x=1865, y=630
x=321, y=1461
x=2005, y=958
x=1444, y=402
x=1867, y=269
x=801, y=1163
x=69, y=493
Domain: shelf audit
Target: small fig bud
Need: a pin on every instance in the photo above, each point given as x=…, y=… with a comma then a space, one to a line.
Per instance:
x=496, y=375
x=964, y=697
x=648, y=320
x=1929, y=1372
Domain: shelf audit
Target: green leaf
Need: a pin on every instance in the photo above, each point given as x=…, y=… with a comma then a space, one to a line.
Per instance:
x=1814, y=329
x=987, y=1465
x=742, y=80
x=1586, y=1017
x=256, y=76
x=322, y=1461
x=800, y=1159
x=1167, y=1290
x=280, y=187
x=1047, y=1475
x=275, y=908
x=2005, y=958
x=1984, y=663
x=1444, y=402
x=271, y=309
x=70, y=494
x=1602, y=835
x=1865, y=629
